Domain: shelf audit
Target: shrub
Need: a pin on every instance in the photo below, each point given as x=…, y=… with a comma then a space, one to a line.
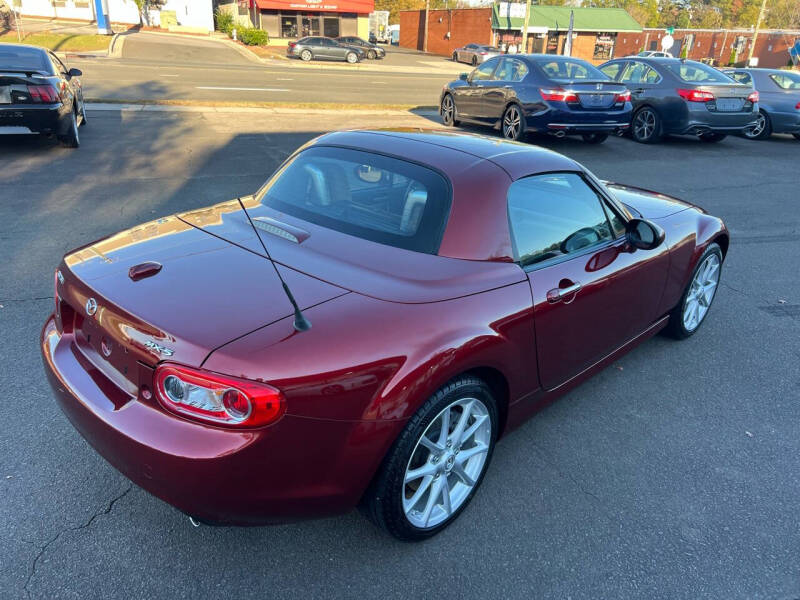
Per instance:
x=224, y=21
x=251, y=36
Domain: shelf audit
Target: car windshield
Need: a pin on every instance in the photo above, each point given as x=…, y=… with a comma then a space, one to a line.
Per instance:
x=371, y=196
x=788, y=81
x=566, y=70
x=694, y=72
x=15, y=58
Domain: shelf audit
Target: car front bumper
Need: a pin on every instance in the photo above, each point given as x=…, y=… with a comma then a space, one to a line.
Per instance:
x=27, y=118
x=297, y=468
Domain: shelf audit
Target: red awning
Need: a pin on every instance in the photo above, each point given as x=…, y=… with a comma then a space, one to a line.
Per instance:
x=340, y=6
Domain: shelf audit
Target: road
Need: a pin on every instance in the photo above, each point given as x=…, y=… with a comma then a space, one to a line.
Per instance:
x=672, y=474
x=155, y=67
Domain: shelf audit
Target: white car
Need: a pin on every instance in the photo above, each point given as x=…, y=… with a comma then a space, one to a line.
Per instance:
x=654, y=54
x=475, y=54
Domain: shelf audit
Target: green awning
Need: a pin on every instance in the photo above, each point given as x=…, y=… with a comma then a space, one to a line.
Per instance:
x=557, y=18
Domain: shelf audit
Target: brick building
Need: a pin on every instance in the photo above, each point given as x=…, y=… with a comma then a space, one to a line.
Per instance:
x=447, y=29
x=717, y=46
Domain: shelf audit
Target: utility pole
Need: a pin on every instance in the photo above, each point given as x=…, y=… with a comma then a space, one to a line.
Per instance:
x=425, y=39
x=525, y=27
x=755, y=33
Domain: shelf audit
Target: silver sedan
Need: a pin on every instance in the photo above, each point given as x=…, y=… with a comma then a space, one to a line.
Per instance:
x=475, y=54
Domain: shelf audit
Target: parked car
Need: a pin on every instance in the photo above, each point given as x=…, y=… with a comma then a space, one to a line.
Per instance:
x=653, y=54
x=538, y=93
x=322, y=48
x=778, y=100
x=39, y=94
x=446, y=286
x=685, y=97
x=372, y=51
x=475, y=54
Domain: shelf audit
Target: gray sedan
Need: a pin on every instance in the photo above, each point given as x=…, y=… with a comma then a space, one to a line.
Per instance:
x=684, y=97
x=475, y=54
x=779, y=100
x=322, y=48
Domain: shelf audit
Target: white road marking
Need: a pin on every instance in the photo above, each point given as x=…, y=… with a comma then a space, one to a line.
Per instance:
x=169, y=75
x=240, y=89
x=284, y=79
x=379, y=82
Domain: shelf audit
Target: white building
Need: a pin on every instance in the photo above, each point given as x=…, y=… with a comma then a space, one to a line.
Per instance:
x=186, y=15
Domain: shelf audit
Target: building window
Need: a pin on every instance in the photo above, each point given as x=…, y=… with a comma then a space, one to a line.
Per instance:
x=289, y=26
x=604, y=46
x=330, y=27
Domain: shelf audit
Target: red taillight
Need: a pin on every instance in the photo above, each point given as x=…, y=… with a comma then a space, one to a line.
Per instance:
x=43, y=94
x=696, y=95
x=624, y=96
x=753, y=97
x=217, y=398
x=292, y=44
x=797, y=106
x=558, y=95
x=484, y=53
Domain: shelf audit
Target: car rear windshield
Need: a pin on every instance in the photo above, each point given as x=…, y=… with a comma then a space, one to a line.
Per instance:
x=788, y=81
x=698, y=73
x=371, y=196
x=18, y=59
x=566, y=70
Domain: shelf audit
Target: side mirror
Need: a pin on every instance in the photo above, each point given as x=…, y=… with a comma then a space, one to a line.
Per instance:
x=644, y=235
x=464, y=76
x=75, y=73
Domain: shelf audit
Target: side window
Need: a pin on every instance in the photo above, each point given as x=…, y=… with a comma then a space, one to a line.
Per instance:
x=612, y=69
x=555, y=215
x=511, y=69
x=484, y=72
x=651, y=76
x=634, y=73
x=742, y=77
x=58, y=65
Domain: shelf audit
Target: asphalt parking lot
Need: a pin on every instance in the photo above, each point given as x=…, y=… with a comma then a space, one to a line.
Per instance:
x=674, y=473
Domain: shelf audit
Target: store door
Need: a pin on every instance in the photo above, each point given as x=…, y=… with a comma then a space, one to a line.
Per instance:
x=330, y=27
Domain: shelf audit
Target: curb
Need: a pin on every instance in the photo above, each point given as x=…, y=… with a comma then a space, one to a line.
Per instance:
x=277, y=110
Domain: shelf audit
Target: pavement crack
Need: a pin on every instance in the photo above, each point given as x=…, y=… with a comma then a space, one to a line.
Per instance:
x=104, y=511
x=34, y=299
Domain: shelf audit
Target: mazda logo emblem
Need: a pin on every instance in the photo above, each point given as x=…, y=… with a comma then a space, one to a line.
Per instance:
x=91, y=306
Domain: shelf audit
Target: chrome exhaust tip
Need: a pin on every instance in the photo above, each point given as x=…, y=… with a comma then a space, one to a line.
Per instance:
x=558, y=133
x=194, y=522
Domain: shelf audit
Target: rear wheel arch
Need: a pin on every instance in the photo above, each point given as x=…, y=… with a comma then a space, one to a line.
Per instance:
x=498, y=384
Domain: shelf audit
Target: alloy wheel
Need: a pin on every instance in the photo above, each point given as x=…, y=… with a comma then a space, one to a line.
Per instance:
x=512, y=123
x=644, y=125
x=446, y=463
x=448, y=110
x=757, y=129
x=701, y=292
x=351, y=57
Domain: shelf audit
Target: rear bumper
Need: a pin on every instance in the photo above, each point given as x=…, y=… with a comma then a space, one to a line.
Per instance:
x=785, y=122
x=49, y=118
x=297, y=468
x=699, y=120
x=571, y=122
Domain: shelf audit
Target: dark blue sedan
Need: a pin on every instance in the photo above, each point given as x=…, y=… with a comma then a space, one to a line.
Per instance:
x=538, y=93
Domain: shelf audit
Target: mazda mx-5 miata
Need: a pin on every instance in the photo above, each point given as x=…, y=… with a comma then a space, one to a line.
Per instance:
x=364, y=328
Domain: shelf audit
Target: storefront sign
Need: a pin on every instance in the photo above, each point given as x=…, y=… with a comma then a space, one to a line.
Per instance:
x=341, y=6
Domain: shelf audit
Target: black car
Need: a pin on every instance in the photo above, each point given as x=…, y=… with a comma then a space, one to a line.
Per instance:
x=373, y=50
x=528, y=93
x=323, y=48
x=39, y=94
x=679, y=96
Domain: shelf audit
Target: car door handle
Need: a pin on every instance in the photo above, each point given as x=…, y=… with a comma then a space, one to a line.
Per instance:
x=639, y=91
x=558, y=294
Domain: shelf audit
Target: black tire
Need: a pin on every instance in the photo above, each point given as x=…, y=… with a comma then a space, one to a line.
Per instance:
x=84, y=118
x=762, y=130
x=351, y=57
x=594, y=138
x=712, y=138
x=796, y=136
x=372, y=55
x=675, y=327
x=646, y=126
x=306, y=55
x=474, y=61
x=71, y=139
x=511, y=115
x=383, y=501
x=448, y=111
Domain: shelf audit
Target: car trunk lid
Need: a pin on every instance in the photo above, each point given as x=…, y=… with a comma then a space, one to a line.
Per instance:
x=206, y=292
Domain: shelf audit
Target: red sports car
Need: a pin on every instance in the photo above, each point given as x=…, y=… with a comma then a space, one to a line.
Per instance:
x=365, y=327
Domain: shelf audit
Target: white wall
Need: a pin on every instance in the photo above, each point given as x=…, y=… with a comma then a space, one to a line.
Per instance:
x=190, y=13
